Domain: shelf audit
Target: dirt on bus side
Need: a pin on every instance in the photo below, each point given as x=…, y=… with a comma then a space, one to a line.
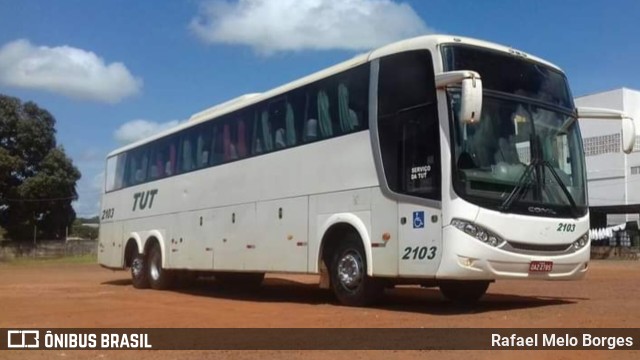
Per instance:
x=87, y=296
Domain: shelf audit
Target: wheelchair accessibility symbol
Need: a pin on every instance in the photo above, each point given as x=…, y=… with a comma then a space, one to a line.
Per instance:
x=418, y=219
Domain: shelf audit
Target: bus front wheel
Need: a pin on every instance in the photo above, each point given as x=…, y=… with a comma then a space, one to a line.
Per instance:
x=159, y=278
x=464, y=292
x=349, y=280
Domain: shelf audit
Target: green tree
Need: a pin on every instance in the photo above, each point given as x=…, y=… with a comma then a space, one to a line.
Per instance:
x=37, y=179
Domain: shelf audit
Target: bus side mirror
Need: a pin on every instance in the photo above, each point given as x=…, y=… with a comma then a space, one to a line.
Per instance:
x=628, y=135
x=470, y=93
x=628, y=126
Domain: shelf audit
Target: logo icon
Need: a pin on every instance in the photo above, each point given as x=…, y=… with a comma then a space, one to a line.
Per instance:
x=22, y=339
x=418, y=219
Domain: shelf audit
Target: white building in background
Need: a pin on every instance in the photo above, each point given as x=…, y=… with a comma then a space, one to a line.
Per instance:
x=613, y=176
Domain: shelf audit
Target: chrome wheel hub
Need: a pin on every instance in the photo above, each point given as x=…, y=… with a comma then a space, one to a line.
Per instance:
x=137, y=267
x=350, y=270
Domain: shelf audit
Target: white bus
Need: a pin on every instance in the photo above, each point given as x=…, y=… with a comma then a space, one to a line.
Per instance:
x=438, y=161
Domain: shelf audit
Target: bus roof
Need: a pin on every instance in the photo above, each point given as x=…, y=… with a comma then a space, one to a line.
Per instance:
x=421, y=42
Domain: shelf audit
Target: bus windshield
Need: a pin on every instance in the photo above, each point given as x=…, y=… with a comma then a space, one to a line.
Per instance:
x=525, y=154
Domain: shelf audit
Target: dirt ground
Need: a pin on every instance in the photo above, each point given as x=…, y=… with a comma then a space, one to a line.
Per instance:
x=87, y=296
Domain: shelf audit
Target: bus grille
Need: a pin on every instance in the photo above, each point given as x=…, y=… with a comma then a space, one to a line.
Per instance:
x=538, y=248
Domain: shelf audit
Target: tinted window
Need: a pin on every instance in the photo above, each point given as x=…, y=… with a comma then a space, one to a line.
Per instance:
x=408, y=124
x=510, y=74
x=330, y=107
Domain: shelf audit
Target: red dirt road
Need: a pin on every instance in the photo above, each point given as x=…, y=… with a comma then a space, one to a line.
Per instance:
x=88, y=296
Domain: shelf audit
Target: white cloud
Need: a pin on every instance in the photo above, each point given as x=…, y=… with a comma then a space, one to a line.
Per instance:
x=270, y=26
x=65, y=70
x=135, y=130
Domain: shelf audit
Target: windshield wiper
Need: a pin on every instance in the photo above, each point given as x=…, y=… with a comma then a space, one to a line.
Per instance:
x=565, y=190
x=520, y=185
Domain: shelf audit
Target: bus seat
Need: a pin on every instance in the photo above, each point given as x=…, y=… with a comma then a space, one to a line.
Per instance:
x=266, y=131
x=168, y=168
x=326, y=129
x=199, y=151
x=187, y=156
x=311, y=130
x=205, y=158
x=343, y=108
x=258, y=146
x=153, y=172
x=160, y=166
x=233, y=152
x=280, y=135
x=226, y=142
x=242, y=143
x=290, y=124
x=354, y=119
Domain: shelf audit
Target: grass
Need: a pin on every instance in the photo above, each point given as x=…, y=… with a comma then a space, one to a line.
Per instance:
x=29, y=261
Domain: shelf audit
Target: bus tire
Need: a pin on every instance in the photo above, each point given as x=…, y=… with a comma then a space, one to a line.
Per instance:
x=139, y=272
x=464, y=292
x=239, y=280
x=159, y=278
x=349, y=280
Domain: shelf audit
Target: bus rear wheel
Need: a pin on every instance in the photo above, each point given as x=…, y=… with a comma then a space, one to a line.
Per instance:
x=349, y=280
x=139, y=272
x=159, y=278
x=464, y=292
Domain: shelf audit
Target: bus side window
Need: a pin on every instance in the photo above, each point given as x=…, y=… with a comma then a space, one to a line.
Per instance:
x=120, y=170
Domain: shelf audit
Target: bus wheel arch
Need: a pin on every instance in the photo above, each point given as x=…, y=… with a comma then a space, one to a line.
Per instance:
x=343, y=264
x=135, y=261
x=158, y=276
x=340, y=224
x=131, y=250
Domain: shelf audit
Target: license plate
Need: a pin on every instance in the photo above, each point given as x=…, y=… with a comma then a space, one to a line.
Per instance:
x=540, y=266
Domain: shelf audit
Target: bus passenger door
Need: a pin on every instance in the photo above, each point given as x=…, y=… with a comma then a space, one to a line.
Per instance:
x=420, y=233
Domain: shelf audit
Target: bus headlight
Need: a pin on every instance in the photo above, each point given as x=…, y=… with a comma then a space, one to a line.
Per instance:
x=478, y=232
x=581, y=242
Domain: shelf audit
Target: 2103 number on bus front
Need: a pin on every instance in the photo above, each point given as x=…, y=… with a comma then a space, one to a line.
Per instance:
x=419, y=253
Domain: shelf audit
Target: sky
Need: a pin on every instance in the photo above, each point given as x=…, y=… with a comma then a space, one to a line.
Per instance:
x=112, y=72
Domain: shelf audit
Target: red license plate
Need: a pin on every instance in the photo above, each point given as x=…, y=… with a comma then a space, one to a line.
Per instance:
x=540, y=266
